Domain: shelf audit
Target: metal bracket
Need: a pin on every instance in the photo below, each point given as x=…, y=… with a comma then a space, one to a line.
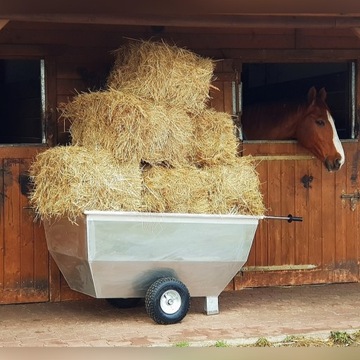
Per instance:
x=306, y=181
x=352, y=197
x=211, y=305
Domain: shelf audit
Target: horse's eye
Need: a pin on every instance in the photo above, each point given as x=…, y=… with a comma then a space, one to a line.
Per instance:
x=320, y=122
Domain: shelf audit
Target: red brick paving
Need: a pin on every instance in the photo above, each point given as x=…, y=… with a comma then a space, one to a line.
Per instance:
x=245, y=316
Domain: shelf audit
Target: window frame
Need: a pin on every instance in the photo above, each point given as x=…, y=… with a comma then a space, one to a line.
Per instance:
x=352, y=57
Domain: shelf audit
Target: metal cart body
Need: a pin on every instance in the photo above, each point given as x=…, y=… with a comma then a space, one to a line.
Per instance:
x=108, y=254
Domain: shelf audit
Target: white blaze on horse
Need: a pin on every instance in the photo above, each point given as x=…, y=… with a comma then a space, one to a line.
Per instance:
x=309, y=122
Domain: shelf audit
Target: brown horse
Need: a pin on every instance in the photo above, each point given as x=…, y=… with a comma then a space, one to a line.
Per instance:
x=309, y=122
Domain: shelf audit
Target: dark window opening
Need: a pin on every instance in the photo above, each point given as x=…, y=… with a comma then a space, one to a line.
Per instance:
x=21, y=101
x=283, y=81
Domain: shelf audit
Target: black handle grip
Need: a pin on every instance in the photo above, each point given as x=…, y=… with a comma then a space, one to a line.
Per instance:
x=294, y=218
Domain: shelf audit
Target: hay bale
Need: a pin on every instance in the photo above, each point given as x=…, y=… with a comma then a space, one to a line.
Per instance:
x=221, y=189
x=70, y=179
x=175, y=190
x=164, y=73
x=236, y=188
x=132, y=129
x=215, y=139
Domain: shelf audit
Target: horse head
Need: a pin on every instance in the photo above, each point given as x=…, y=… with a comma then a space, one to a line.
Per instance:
x=317, y=131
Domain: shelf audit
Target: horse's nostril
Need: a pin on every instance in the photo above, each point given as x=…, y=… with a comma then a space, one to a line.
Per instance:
x=332, y=165
x=337, y=164
x=328, y=165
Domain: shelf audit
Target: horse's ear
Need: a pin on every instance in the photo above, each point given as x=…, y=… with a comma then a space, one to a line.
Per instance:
x=322, y=94
x=311, y=95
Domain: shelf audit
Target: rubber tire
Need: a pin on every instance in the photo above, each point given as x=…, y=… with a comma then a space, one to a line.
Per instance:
x=124, y=303
x=154, y=296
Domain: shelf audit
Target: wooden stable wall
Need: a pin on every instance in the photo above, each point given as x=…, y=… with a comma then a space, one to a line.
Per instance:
x=323, y=248
x=24, y=260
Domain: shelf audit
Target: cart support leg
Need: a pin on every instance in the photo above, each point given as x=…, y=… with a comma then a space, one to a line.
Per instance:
x=211, y=305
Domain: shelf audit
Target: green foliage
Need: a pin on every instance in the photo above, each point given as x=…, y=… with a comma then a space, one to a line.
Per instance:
x=341, y=338
x=221, y=343
x=262, y=342
x=182, y=344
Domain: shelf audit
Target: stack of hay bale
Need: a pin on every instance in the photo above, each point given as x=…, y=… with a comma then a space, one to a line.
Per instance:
x=149, y=142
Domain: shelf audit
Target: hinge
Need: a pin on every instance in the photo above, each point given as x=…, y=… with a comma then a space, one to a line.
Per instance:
x=352, y=197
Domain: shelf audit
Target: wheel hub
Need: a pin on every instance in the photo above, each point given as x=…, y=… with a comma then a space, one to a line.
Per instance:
x=170, y=302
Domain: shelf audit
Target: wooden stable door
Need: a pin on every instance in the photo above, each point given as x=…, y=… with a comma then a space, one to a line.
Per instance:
x=324, y=248
x=24, y=260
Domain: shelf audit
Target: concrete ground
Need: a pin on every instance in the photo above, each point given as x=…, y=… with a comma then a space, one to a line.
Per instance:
x=245, y=316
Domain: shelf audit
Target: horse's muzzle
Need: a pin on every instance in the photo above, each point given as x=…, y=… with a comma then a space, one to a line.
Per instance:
x=333, y=165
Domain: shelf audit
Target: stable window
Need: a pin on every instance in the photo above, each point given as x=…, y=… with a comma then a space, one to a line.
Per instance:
x=22, y=101
x=282, y=81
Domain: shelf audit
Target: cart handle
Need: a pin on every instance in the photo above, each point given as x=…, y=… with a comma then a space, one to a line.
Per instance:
x=289, y=218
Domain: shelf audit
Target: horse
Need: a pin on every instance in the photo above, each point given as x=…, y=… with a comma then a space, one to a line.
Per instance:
x=308, y=121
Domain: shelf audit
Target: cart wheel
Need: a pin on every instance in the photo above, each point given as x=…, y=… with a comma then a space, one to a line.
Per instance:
x=167, y=301
x=123, y=303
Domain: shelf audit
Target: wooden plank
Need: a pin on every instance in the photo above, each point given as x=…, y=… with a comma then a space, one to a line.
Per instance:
x=228, y=97
x=276, y=278
x=11, y=296
x=12, y=260
x=40, y=258
x=260, y=241
x=2, y=235
x=26, y=236
x=291, y=55
x=19, y=260
x=34, y=255
x=314, y=218
x=344, y=230
x=182, y=8
x=22, y=51
x=219, y=18
x=350, y=237
x=40, y=254
x=259, y=251
x=283, y=157
x=54, y=281
x=70, y=87
x=72, y=70
x=287, y=207
x=96, y=43
x=327, y=42
x=250, y=40
x=217, y=98
x=18, y=152
x=63, y=99
x=60, y=36
x=302, y=199
x=221, y=99
x=224, y=76
x=275, y=201
x=274, y=228
x=324, y=39
x=51, y=101
x=3, y=23
x=328, y=218
x=309, y=245
x=87, y=54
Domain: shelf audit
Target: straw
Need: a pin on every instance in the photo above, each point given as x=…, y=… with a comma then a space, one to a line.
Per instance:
x=68, y=180
x=163, y=73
